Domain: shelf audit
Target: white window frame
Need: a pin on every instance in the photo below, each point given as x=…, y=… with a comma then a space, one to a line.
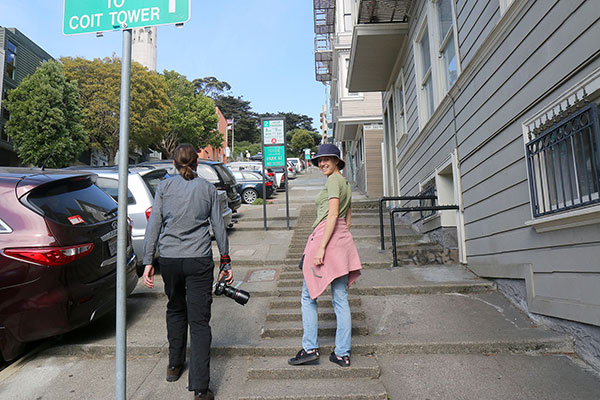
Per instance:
x=401, y=132
x=424, y=76
x=346, y=94
x=438, y=47
x=437, y=71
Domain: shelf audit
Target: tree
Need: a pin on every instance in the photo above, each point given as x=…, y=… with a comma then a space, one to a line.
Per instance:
x=242, y=147
x=45, y=118
x=210, y=86
x=192, y=119
x=301, y=140
x=99, y=83
x=293, y=120
x=246, y=121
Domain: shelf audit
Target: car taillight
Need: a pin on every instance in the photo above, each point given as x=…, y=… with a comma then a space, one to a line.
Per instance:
x=270, y=174
x=148, y=212
x=269, y=183
x=290, y=169
x=50, y=256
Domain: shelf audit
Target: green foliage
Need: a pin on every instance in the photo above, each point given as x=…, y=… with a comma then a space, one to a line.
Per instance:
x=301, y=140
x=99, y=83
x=246, y=121
x=258, y=202
x=210, y=86
x=243, y=146
x=192, y=118
x=45, y=122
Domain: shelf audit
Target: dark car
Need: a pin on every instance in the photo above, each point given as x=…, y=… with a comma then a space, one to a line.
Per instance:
x=214, y=171
x=218, y=174
x=251, y=186
x=58, y=254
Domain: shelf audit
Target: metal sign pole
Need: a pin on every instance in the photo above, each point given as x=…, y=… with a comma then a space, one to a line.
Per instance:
x=122, y=229
x=287, y=197
x=264, y=188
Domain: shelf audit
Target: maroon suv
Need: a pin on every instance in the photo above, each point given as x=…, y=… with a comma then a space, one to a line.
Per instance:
x=58, y=258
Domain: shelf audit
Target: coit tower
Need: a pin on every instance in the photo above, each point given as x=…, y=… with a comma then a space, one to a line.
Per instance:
x=143, y=47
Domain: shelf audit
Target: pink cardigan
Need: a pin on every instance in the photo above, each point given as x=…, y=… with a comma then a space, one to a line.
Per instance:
x=341, y=258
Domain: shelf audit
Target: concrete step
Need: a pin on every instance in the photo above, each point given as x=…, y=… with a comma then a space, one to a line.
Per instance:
x=290, y=283
x=399, y=289
x=290, y=275
x=327, y=389
x=291, y=264
x=278, y=368
x=294, y=329
x=327, y=314
x=324, y=302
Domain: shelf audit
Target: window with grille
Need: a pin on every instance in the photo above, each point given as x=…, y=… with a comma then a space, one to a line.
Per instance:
x=563, y=160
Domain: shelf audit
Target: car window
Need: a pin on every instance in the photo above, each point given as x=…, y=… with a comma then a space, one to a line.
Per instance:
x=73, y=201
x=111, y=186
x=153, y=178
x=252, y=176
x=206, y=172
x=238, y=175
x=4, y=228
x=225, y=174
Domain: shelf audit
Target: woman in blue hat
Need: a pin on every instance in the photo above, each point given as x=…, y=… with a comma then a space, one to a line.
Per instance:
x=330, y=258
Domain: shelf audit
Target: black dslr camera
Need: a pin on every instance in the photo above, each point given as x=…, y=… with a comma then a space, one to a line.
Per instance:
x=240, y=296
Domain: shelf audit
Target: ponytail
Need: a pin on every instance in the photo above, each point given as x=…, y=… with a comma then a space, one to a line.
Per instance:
x=186, y=160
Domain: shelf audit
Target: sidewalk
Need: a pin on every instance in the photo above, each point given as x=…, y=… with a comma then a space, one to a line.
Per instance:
x=421, y=332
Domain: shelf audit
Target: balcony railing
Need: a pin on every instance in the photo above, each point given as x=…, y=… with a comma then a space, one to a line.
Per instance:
x=383, y=11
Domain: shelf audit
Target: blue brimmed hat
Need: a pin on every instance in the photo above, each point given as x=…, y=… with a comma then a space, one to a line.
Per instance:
x=329, y=150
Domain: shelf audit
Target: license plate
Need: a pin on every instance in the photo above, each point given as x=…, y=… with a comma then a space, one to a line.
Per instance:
x=112, y=246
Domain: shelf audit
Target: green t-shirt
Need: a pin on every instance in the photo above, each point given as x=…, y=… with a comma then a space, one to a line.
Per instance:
x=336, y=187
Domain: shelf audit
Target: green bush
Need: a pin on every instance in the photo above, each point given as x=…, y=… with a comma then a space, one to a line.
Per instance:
x=258, y=202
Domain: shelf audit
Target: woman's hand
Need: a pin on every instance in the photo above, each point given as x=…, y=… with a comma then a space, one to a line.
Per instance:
x=319, y=256
x=149, y=276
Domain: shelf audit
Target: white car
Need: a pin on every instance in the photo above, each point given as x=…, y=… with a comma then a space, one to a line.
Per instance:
x=297, y=163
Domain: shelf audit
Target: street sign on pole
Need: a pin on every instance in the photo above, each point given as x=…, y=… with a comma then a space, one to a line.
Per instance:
x=90, y=16
x=273, y=150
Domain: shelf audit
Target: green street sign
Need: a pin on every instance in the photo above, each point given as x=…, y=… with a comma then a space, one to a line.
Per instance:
x=89, y=16
x=274, y=156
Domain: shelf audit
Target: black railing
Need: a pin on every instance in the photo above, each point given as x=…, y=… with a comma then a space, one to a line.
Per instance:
x=563, y=161
x=395, y=210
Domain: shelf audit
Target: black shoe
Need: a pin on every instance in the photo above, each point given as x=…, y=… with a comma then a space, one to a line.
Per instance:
x=173, y=373
x=208, y=395
x=304, y=357
x=343, y=361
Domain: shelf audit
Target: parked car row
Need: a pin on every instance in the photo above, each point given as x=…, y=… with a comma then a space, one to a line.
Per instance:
x=58, y=239
x=58, y=254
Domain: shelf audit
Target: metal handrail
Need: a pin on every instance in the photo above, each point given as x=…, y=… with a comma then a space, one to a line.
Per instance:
x=408, y=209
x=396, y=198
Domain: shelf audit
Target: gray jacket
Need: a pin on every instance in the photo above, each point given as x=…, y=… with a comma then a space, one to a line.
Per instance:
x=180, y=217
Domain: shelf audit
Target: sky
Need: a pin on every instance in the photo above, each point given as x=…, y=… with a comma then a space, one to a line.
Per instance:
x=263, y=48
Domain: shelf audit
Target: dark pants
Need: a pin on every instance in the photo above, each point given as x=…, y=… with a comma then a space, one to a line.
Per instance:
x=188, y=285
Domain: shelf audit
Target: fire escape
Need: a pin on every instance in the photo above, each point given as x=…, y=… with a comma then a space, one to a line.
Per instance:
x=324, y=11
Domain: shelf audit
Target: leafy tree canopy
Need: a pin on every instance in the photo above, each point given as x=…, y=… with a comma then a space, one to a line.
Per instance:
x=246, y=121
x=301, y=140
x=211, y=86
x=99, y=83
x=192, y=119
x=242, y=147
x=45, y=122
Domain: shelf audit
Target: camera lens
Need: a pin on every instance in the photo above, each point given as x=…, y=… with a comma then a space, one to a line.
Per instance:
x=240, y=296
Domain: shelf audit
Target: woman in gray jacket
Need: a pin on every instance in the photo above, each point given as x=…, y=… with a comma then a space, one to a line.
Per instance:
x=184, y=207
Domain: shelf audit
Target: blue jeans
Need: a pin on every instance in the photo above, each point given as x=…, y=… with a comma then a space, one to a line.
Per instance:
x=310, y=322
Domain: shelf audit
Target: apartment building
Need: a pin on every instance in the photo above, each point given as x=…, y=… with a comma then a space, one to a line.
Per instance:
x=355, y=116
x=492, y=105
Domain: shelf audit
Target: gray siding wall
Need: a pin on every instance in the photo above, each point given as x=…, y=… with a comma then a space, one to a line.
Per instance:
x=549, y=47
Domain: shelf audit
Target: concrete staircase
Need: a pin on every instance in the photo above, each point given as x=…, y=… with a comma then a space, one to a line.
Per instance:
x=373, y=298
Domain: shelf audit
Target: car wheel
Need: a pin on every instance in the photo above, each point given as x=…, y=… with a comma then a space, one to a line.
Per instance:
x=249, y=196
